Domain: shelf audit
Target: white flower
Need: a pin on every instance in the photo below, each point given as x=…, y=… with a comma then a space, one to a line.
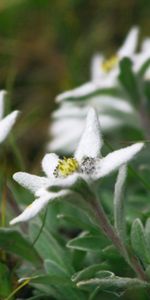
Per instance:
x=6, y=123
x=113, y=112
x=104, y=72
x=86, y=163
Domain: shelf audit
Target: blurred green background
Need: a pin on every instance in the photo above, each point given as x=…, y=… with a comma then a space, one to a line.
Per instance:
x=46, y=47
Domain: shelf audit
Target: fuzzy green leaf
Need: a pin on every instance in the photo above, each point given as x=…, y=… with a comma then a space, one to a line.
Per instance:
x=88, y=272
x=113, y=283
x=119, y=217
x=138, y=241
x=12, y=241
x=87, y=242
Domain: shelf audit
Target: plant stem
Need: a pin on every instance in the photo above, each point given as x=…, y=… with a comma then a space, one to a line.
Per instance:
x=110, y=232
x=18, y=289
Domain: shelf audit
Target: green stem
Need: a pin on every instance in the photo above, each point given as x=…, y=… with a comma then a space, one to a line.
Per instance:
x=18, y=289
x=110, y=233
x=40, y=231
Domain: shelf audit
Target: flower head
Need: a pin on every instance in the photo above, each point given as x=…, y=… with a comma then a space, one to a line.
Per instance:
x=7, y=122
x=86, y=163
x=104, y=72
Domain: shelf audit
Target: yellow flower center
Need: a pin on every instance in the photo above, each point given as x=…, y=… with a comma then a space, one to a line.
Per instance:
x=66, y=166
x=110, y=63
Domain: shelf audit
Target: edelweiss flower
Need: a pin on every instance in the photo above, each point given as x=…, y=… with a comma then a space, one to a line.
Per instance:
x=7, y=122
x=112, y=111
x=86, y=163
x=104, y=72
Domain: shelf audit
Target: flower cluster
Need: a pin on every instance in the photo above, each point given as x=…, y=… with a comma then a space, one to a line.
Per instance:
x=86, y=163
x=104, y=93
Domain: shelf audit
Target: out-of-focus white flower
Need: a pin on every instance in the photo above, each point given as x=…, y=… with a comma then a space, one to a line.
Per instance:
x=86, y=163
x=104, y=72
x=6, y=123
x=69, y=120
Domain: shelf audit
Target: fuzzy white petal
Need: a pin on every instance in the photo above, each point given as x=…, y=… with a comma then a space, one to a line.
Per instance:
x=6, y=125
x=116, y=159
x=146, y=45
x=66, y=182
x=70, y=110
x=139, y=60
x=96, y=69
x=80, y=91
x=49, y=163
x=33, y=209
x=130, y=44
x=2, y=94
x=91, y=140
x=67, y=126
x=105, y=103
x=30, y=182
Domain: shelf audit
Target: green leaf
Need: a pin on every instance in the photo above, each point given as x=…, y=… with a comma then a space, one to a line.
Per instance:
x=113, y=283
x=128, y=80
x=44, y=283
x=138, y=241
x=88, y=272
x=13, y=241
x=144, y=67
x=76, y=217
x=147, y=236
x=54, y=269
x=147, y=91
x=62, y=284
x=119, y=217
x=87, y=242
x=5, y=281
x=48, y=247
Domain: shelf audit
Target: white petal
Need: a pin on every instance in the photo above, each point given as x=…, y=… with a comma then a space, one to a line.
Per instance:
x=30, y=182
x=91, y=140
x=33, y=209
x=6, y=125
x=105, y=103
x=64, y=126
x=70, y=110
x=81, y=91
x=146, y=45
x=130, y=44
x=66, y=182
x=139, y=60
x=96, y=70
x=49, y=163
x=116, y=159
x=147, y=74
x=87, y=89
x=2, y=94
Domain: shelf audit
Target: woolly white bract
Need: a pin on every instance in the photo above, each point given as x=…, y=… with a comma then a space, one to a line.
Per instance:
x=91, y=167
x=6, y=123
